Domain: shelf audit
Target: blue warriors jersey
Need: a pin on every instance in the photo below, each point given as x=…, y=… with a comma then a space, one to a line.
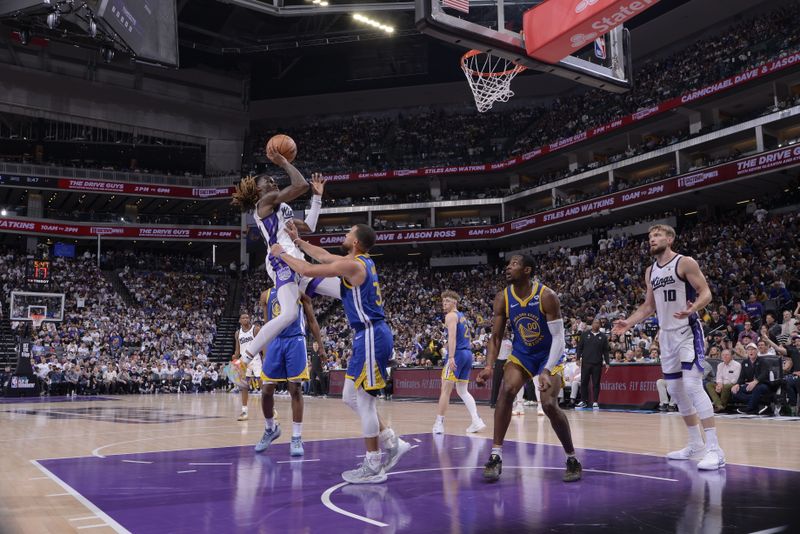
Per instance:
x=463, y=341
x=297, y=328
x=532, y=337
x=363, y=304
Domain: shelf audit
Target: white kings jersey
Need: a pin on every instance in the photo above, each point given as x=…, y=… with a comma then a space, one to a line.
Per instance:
x=672, y=294
x=245, y=338
x=273, y=230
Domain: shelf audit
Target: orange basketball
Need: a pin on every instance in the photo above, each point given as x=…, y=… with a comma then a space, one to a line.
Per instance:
x=285, y=146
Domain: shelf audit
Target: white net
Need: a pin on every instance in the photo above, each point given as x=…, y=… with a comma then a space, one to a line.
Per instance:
x=489, y=77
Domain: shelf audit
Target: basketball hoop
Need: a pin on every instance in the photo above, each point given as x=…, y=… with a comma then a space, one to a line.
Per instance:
x=489, y=77
x=37, y=320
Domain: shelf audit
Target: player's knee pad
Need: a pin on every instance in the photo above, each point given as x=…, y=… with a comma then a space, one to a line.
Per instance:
x=462, y=389
x=368, y=413
x=693, y=384
x=677, y=391
x=349, y=395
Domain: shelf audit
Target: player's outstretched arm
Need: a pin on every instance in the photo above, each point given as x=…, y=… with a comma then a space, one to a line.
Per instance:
x=236, y=350
x=353, y=271
x=309, y=225
x=499, y=319
x=645, y=310
x=318, y=253
x=298, y=184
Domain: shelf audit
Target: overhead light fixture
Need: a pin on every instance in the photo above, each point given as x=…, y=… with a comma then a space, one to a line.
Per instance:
x=3, y=213
x=92, y=28
x=53, y=19
x=372, y=22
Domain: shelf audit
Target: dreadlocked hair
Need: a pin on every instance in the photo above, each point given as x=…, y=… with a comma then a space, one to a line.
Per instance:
x=246, y=195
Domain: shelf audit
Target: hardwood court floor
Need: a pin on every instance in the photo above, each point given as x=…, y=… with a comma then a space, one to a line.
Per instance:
x=31, y=501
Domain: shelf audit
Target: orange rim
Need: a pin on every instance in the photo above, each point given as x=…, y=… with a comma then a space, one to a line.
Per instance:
x=472, y=53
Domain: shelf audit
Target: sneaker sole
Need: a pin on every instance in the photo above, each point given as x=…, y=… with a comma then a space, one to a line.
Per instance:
x=694, y=457
x=491, y=477
x=478, y=429
x=377, y=479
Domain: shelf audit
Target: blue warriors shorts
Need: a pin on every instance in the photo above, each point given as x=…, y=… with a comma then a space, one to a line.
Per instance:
x=285, y=360
x=533, y=365
x=372, y=350
x=463, y=367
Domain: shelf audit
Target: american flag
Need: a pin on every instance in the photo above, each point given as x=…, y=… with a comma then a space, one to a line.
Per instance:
x=460, y=5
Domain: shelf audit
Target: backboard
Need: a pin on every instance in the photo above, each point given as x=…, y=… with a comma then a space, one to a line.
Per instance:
x=495, y=27
x=26, y=304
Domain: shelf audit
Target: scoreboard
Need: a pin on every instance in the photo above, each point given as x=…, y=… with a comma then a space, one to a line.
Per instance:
x=37, y=273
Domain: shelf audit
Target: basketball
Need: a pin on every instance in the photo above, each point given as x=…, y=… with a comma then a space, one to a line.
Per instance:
x=285, y=146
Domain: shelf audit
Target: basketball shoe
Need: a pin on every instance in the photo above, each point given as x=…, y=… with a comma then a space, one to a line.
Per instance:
x=268, y=437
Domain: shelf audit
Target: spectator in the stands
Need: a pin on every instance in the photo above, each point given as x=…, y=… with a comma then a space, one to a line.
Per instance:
x=727, y=376
x=753, y=381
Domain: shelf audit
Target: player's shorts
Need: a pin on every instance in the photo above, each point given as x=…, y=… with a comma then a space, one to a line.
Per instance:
x=280, y=272
x=463, y=367
x=285, y=360
x=254, y=367
x=372, y=350
x=681, y=349
x=535, y=365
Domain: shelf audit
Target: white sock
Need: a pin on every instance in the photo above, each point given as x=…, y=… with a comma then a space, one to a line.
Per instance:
x=711, y=438
x=695, y=437
x=439, y=419
x=244, y=409
x=374, y=458
x=386, y=437
x=269, y=423
x=498, y=451
x=297, y=429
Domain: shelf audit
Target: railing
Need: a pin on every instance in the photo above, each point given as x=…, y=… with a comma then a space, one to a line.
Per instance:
x=27, y=169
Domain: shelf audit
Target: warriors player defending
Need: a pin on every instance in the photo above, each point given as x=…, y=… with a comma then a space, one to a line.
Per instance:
x=244, y=337
x=458, y=365
x=285, y=361
x=537, y=349
x=676, y=291
x=271, y=213
x=372, y=342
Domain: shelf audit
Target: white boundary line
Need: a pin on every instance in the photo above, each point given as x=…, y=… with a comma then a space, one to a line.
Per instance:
x=187, y=471
x=326, y=495
x=210, y=463
x=92, y=526
x=136, y=462
x=297, y=461
x=326, y=501
x=772, y=530
x=82, y=518
x=83, y=500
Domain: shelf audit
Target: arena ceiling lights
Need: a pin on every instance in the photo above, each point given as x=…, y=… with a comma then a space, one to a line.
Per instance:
x=372, y=22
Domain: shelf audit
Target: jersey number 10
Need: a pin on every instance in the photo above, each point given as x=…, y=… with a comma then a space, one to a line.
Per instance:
x=670, y=295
